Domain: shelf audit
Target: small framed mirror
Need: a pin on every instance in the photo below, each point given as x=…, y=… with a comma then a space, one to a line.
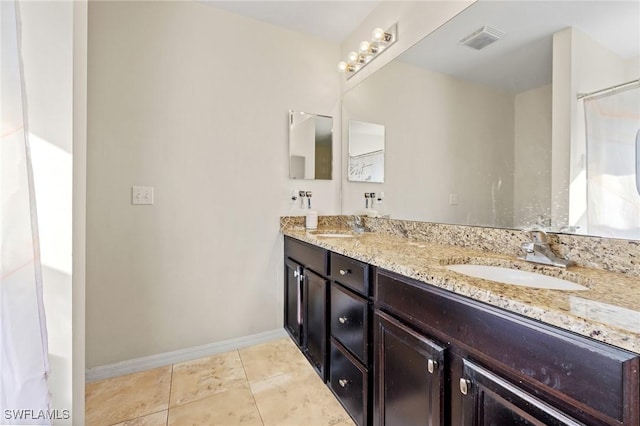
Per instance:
x=310, y=146
x=366, y=152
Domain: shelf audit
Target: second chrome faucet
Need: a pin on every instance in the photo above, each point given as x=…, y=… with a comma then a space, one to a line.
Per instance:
x=538, y=250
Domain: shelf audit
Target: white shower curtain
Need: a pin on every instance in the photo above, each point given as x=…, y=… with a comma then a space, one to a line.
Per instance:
x=24, y=397
x=613, y=202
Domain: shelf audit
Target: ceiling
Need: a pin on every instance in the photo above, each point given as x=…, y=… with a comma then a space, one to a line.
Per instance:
x=325, y=19
x=521, y=59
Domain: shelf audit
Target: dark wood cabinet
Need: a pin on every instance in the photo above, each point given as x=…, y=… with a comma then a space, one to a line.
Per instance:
x=409, y=371
x=416, y=354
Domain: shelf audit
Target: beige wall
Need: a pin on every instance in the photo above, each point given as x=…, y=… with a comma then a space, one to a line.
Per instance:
x=563, y=108
x=442, y=136
x=632, y=67
x=532, y=156
x=193, y=101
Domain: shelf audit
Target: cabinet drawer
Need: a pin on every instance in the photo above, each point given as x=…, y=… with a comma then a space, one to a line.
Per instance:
x=577, y=373
x=312, y=257
x=350, y=273
x=349, y=321
x=349, y=382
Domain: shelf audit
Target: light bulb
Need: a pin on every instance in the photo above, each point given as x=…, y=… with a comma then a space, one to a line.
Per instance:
x=379, y=34
x=353, y=57
x=364, y=46
x=345, y=67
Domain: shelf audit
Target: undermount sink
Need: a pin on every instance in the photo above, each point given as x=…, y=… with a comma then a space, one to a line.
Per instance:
x=516, y=277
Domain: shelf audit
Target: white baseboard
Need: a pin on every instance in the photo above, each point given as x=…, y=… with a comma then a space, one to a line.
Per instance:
x=187, y=354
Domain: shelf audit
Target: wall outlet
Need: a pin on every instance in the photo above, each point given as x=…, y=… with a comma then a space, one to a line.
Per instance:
x=142, y=195
x=453, y=199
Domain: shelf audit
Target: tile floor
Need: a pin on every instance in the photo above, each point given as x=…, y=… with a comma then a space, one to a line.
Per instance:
x=267, y=384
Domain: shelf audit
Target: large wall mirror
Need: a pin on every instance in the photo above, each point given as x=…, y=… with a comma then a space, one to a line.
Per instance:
x=504, y=135
x=310, y=146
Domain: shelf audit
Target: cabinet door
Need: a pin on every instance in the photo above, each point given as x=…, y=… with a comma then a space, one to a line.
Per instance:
x=409, y=376
x=315, y=291
x=490, y=400
x=293, y=300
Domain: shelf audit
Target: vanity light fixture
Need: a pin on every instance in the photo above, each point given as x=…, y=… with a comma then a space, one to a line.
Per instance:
x=368, y=50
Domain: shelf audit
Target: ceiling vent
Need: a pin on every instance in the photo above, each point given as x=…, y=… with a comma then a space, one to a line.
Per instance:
x=482, y=38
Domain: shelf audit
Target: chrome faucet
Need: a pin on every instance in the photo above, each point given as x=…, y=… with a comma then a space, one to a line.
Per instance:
x=538, y=251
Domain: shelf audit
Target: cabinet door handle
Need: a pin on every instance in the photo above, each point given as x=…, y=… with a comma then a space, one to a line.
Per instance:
x=432, y=365
x=465, y=385
x=345, y=271
x=300, y=282
x=343, y=382
x=343, y=320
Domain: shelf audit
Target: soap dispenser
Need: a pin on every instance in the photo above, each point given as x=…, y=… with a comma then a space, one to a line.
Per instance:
x=311, y=220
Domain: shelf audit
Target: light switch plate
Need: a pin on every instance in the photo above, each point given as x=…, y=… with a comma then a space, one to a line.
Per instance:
x=142, y=195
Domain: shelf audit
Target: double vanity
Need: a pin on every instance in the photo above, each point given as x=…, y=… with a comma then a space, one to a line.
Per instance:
x=402, y=337
x=421, y=323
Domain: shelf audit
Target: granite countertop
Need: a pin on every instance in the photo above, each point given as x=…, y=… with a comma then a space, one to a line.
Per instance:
x=609, y=311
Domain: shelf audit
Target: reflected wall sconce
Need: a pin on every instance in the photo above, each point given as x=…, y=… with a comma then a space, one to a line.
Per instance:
x=368, y=50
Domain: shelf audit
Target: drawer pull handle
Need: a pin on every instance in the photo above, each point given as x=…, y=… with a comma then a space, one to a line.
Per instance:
x=432, y=365
x=343, y=320
x=465, y=385
x=343, y=382
x=345, y=271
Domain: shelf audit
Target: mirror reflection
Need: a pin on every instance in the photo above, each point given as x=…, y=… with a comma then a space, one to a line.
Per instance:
x=366, y=152
x=310, y=146
x=497, y=136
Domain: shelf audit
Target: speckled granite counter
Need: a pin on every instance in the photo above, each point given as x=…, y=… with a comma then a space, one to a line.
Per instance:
x=609, y=311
